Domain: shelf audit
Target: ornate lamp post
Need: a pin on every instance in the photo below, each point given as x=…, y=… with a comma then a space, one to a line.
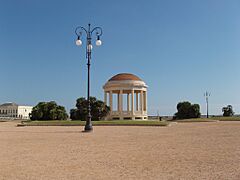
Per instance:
x=206, y=95
x=79, y=31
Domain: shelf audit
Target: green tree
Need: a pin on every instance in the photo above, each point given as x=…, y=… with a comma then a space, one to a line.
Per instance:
x=48, y=111
x=194, y=111
x=98, y=109
x=228, y=111
x=186, y=110
x=73, y=114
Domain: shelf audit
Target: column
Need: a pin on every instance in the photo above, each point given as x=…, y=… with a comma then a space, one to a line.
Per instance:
x=118, y=103
x=145, y=100
x=137, y=101
x=128, y=100
x=141, y=102
x=105, y=97
x=121, y=103
x=132, y=101
x=110, y=101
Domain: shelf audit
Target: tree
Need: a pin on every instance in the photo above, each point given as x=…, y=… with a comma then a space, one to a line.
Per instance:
x=98, y=109
x=48, y=111
x=73, y=114
x=187, y=110
x=228, y=111
x=194, y=111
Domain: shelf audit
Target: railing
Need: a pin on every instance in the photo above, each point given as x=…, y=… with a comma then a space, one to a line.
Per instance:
x=128, y=113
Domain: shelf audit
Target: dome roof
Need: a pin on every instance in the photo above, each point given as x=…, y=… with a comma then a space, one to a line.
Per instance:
x=125, y=76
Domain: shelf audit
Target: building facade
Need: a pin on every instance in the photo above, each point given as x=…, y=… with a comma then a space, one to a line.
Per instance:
x=126, y=95
x=15, y=111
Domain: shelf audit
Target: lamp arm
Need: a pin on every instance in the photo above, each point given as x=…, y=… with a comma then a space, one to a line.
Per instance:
x=79, y=30
x=98, y=31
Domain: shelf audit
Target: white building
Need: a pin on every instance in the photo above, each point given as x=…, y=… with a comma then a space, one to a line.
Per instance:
x=131, y=97
x=15, y=111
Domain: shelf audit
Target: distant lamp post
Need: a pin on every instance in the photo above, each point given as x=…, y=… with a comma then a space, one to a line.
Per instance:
x=206, y=95
x=79, y=31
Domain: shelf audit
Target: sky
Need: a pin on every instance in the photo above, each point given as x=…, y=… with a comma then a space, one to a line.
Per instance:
x=181, y=49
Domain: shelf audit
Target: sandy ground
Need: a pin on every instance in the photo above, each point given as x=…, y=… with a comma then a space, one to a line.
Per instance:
x=181, y=151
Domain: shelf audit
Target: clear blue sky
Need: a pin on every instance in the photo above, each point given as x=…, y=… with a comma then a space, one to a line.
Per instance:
x=179, y=48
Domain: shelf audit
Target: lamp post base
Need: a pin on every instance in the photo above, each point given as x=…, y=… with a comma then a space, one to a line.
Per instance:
x=88, y=128
x=88, y=125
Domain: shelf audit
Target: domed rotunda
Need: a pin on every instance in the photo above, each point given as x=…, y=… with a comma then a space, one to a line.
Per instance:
x=126, y=95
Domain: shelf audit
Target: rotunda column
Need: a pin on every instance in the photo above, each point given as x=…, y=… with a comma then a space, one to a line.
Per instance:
x=133, y=104
x=110, y=101
x=137, y=108
x=128, y=100
x=145, y=100
x=105, y=97
x=141, y=102
x=120, y=103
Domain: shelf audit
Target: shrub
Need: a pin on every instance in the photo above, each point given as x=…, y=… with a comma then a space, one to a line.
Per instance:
x=186, y=110
x=98, y=109
x=48, y=111
x=228, y=111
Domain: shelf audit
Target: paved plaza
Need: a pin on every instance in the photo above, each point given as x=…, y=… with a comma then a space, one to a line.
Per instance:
x=180, y=151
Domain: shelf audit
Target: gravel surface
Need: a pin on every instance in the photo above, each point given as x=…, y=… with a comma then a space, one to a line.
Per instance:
x=181, y=151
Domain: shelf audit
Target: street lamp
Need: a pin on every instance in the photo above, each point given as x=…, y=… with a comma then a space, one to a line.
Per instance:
x=206, y=95
x=79, y=31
